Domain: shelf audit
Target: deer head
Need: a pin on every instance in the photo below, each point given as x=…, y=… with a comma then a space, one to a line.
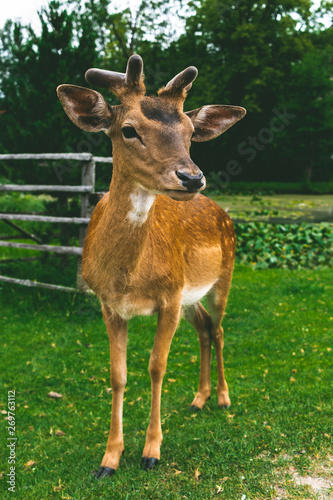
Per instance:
x=151, y=135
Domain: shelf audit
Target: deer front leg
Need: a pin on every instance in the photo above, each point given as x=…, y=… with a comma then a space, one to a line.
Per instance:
x=117, y=331
x=167, y=323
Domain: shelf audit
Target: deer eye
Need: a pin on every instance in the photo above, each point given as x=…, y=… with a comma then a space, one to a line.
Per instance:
x=130, y=133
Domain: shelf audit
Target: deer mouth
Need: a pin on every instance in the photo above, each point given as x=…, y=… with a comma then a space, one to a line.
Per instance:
x=181, y=194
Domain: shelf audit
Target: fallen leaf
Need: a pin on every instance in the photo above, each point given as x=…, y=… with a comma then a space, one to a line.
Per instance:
x=54, y=395
x=171, y=380
x=197, y=474
x=58, y=488
x=60, y=433
x=177, y=472
x=30, y=463
x=292, y=379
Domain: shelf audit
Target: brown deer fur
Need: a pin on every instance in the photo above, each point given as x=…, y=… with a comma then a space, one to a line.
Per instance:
x=154, y=245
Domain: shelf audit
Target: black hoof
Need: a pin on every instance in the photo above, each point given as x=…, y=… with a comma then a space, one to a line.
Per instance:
x=194, y=408
x=105, y=472
x=224, y=407
x=149, y=463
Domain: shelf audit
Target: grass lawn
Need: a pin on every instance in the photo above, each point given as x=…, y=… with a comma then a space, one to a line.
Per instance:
x=271, y=443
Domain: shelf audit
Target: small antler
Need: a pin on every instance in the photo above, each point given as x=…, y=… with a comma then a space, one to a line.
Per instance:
x=120, y=83
x=180, y=83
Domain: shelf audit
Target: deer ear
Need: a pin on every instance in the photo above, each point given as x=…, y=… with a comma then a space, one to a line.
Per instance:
x=211, y=121
x=85, y=107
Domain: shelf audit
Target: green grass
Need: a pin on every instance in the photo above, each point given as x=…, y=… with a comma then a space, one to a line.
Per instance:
x=278, y=358
x=215, y=184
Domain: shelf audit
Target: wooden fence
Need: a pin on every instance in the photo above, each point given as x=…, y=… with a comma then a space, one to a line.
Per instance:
x=85, y=190
x=87, y=187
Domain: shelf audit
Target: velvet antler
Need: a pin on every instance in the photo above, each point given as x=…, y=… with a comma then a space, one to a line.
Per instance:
x=120, y=83
x=180, y=84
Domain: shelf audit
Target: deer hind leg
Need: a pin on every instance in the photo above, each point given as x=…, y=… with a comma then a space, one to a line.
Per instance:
x=167, y=323
x=216, y=301
x=117, y=331
x=199, y=318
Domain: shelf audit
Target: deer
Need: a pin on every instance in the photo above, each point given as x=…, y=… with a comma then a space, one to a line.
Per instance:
x=155, y=244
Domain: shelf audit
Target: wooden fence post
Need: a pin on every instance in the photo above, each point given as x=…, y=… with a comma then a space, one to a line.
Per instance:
x=85, y=189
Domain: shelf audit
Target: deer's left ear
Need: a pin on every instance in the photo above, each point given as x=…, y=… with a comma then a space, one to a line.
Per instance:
x=86, y=108
x=211, y=121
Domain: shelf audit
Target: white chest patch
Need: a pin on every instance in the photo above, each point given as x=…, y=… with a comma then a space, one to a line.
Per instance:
x=142, y=202
x=191, y=295
x=127, y=308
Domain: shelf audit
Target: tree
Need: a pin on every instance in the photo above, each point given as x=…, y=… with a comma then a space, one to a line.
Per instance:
x=74, y=37
x=306, y=147
x=247, y=52
x=31, y=67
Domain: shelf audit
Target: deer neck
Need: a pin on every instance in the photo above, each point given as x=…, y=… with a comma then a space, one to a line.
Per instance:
x=130, y=204
x=129, y=216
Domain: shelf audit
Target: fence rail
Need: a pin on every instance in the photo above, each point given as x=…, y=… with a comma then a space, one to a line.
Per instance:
x=45, y=218
x=47, y=188
x=85, y=190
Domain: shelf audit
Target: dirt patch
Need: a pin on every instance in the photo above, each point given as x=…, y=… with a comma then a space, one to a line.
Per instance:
x=318, y=484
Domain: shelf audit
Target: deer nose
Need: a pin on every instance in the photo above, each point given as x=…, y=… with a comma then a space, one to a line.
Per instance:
x=191, y=182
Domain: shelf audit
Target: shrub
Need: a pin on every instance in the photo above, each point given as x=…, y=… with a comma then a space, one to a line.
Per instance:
x=291, y=246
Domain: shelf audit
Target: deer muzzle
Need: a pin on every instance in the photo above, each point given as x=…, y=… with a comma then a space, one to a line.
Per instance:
x=191, y=182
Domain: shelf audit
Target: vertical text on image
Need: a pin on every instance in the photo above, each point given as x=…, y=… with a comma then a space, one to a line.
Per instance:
x=11, y=441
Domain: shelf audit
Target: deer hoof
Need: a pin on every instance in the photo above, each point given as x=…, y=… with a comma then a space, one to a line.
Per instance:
x=194, y=408
x=105, y=472
x=224, y=407
x=149, y=463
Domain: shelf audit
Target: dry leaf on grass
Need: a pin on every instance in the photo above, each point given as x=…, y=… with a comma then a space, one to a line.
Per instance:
x=60, y=433
x=54, y=395
x=58, y=488
x=30, y=463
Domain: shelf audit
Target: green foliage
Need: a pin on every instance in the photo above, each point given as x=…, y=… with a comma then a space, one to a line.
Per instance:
x=263, y=56
x=291, y=246
x=278, y=362
x=273, y=58
x=32, y=65
x=21, y=202
x=312, y=129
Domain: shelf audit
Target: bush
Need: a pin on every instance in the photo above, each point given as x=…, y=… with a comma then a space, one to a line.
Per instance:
x=291, y=246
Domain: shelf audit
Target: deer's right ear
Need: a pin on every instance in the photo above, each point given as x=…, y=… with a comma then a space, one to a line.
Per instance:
x=85, y=107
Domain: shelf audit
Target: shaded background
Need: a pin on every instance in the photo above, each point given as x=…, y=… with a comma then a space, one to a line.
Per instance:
x=273, y=58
